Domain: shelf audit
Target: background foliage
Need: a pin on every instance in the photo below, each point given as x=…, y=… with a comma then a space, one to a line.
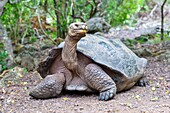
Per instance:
x=46, y=21
x=3, y=56
x=31, y=19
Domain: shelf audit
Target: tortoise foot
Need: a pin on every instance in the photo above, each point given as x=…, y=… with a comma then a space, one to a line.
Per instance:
x=100, y=81
x=51, y=86
x=142, y=82
x=107, y=95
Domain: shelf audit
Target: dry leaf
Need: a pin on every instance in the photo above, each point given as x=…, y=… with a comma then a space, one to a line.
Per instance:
x=65, y=98
x=20, y=75
x=138, y=97
x=153, y=88
x=167, y=92
x=12, y=101
x=161, y=78
x=25, y=88
x=154, y=99
x=9, y=82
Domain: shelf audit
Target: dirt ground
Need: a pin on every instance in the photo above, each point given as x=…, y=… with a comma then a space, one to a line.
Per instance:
x=154, y=98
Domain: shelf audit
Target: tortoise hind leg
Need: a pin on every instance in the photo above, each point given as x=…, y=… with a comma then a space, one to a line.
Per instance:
x=99, y=80
x=50, y=86
x=142, y=82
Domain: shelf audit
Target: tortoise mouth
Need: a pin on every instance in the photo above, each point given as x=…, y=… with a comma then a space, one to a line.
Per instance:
x=83, y=29
x=80, y=31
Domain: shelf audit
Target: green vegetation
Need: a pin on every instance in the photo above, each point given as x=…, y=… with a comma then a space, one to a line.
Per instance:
x=150, y=39
x=3, y=56
x=122, y=11
x=157, y=40
x=30, y=19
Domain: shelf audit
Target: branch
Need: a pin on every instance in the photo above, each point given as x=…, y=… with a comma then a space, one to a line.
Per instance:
x=58, y=24
x=78, y=17
x=93, y=11
x=2, y=5
x=72, y=10
x=39, y=21
x=46, y=5
x=92, y=8
x=14, y=2
x=3, y=73
x=162, y=20
x=30, y=7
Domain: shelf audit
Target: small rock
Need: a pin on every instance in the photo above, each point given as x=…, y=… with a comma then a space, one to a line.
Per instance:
x=76, y=104
x=81, y=108
x=164, y=56
x=138, y=97
x=12, y=77
x=97, y=24
x=2, y=98
x=153, y=88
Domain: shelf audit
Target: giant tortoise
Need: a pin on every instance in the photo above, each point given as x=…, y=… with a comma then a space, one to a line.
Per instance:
x=89, y=63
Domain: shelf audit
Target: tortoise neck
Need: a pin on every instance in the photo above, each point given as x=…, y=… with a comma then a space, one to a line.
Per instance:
x=69, y=54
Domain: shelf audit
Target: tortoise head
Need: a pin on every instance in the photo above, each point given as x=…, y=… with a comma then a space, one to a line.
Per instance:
x=77, y=30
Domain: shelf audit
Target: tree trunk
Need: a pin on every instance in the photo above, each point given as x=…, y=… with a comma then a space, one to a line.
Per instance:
x=162, y=20
x=58, y=22
x=7, y=45
x=2, y=4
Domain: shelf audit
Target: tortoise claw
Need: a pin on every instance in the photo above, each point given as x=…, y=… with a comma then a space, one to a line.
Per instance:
x=142, y=82
x=107, y=95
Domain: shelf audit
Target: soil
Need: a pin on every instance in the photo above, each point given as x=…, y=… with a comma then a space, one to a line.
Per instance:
x=154, y=98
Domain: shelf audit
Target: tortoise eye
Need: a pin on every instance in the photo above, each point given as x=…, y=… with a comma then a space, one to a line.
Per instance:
x=76, y=25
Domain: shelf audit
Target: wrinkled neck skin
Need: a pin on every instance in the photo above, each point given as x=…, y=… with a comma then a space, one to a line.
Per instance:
x=69, y=54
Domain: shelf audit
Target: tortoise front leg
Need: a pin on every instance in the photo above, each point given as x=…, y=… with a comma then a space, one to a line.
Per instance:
x=99, y=80
x=50, y=86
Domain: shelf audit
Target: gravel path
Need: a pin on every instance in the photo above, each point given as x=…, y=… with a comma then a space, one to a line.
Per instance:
x=154, y=98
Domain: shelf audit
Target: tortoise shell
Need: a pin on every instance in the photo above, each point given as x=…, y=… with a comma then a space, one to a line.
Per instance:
x=111, y=53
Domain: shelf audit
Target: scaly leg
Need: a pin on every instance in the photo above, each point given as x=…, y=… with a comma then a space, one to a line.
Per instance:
x=50, y=86
x=99, y=80
x=142, y=82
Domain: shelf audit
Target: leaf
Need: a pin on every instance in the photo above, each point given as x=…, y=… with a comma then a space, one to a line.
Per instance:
x=150, y=82
x=23, y=83
x=157, y=85
x=153, y=88
x=25, y=88
x=20, y=75
x=65, y=98
x=154, y=98
x=137, y=97
x=9, y=82
x=167, y=92
x=12, y=101
x=127, y=104
x=161, y=78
